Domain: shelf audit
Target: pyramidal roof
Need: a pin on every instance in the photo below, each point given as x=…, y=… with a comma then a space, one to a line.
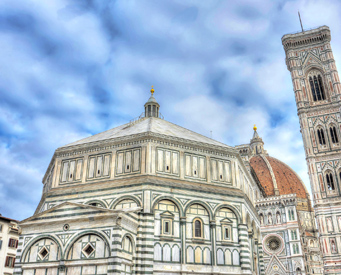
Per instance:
x=149, y=124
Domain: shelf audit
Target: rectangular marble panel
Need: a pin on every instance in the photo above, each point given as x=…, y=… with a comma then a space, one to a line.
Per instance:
x=79, y=169
x=73, y=270
x=127, y=166
x=220, y=171
x=136, y=160
x=160, y=162
x=71, y=173
x=99, y=166
x=119, y=167
x=28, y=272
x=227, y=171
x=106, y=168
x=52, y=271
x=206, y=231
x=214, y=169
x=168, y=162
x=202, y=168
x=65, y=171
x=195, y=166
x=188, y=165
x=175, y=163
x=91, y=167
x=102, y=269
x=88, y=270
x=40, y=271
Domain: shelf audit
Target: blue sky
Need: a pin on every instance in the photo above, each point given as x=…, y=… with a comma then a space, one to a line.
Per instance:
x=73, y=68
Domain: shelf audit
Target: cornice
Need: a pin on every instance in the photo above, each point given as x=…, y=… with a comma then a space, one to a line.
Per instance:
x=145, y=138
x=324, y=109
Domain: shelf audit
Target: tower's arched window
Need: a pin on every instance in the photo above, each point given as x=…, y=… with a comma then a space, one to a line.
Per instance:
x=316, y=85
x=321, y=138
x=333, y=134
x=330, y=181
x=197, y=228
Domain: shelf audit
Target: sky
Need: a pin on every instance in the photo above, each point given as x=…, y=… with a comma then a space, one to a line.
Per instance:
x=73, y=68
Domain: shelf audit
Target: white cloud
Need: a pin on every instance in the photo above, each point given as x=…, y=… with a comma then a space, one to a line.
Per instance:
x=69, y=69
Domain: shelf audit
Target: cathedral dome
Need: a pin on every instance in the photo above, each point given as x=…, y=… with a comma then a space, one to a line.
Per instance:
x=276, y=177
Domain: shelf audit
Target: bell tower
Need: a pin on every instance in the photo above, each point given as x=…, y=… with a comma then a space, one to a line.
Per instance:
x=317, y=89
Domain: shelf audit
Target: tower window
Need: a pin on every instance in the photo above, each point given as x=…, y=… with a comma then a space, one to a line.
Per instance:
x=316, y=85
x=321, y=138
x=330, y=182
x=333, y=134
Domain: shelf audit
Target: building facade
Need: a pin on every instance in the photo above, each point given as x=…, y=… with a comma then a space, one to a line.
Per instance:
x=317, y=89
x=9, y=239
x=151, y=197
x=147, y=197
x=288, y=229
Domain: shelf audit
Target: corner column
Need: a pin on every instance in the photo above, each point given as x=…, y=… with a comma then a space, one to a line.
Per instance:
x=114, y=264
x=260, y=258
x=145, y=245
x=245, y=254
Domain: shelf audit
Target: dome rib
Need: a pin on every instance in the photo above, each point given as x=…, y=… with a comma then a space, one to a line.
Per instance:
x=263, y=174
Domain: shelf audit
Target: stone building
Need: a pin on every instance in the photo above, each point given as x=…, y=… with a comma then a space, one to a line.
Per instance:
x=151, y=197
x=317, y=89
x=147, y=197
x=288, y=228
x=9, y=239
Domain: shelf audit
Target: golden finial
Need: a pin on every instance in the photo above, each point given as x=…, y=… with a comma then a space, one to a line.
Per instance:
x=254, y=127
x=152, y=90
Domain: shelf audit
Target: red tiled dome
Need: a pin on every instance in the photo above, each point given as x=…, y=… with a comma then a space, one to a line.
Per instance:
x=287, y=180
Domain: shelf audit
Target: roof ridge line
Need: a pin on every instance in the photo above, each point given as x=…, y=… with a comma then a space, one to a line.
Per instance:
x=271, y=173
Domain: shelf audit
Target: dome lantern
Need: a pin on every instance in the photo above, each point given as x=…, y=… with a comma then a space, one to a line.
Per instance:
x=256, y=143
x=151, y=108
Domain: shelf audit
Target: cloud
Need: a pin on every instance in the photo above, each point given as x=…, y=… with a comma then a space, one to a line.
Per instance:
x=73, y=68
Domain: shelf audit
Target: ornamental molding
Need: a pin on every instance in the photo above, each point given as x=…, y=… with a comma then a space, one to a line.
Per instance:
x=147, y=137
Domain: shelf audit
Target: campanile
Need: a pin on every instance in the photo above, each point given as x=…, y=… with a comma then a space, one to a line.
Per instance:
x=316, y=85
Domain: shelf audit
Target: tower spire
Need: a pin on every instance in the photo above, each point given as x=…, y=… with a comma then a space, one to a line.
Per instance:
x=299, y=16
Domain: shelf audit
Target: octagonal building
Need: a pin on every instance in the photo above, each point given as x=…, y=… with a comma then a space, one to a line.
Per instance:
x=147, y=197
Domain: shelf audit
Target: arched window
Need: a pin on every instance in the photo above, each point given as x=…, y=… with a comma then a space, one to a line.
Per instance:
x=321, y=138
x=330, y=181
x=333, y=134
x=197, y=228
x=127, y=245
x=316, y=85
